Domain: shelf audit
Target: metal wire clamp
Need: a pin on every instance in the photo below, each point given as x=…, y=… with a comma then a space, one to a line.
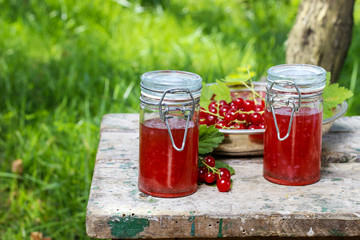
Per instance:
x=287, y=102
x=188, y=113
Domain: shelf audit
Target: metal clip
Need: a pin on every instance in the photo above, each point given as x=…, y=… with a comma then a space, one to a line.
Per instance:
x=183, y=109
x=293, y=107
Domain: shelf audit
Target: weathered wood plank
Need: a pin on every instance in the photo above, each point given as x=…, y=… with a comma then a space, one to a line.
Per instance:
x=254, y=207
x=342, y=143
x=120, y=123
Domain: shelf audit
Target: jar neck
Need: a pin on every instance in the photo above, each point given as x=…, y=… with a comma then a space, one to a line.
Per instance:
x=156, y=101
x=293, y=95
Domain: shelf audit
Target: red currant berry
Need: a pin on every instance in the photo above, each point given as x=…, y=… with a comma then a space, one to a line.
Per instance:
x=239, y=102
x=209, y=177
x=258, y=108
x=241, y=126
x=223, y=185
x=243, y=117
x=233, y=106
x=256, y=118
x=222, y=103
x=201, y=174
x=223, y=110
x=210, y=161
x=228, y=118
x=213, y=110
x=223, y=173
x=230, y=115
x=211, y=120
x=213, y=105
x=238, y=126
x=221, y=124
x=234, y=125
x=202, y=113
x=252, y=127
x=248, y=105
x=261, y=125
x=233, y=112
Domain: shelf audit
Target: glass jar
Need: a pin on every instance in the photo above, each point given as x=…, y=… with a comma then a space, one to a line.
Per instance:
x=169, y=133
x=293, y=117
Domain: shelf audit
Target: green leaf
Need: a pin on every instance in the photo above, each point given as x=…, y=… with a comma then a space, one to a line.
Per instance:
x=221, y=91
x=333, y=95
x=209, y=138
x=242, y=75
x=220, y=164
x=327, y=113
x=237, y=77
x=328, y=77
x=206, y=95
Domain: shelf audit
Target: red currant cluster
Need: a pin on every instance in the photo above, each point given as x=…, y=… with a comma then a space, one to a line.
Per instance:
x=211, y=174
x=239, y=114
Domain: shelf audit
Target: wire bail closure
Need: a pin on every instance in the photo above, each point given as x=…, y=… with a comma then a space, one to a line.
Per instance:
x=287, y=103
x=164, y=117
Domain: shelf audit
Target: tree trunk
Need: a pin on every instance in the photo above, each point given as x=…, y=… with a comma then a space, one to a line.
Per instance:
x=321, y=34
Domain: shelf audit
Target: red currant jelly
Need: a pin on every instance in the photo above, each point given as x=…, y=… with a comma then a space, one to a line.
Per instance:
x=297, y=159
x=164, y=171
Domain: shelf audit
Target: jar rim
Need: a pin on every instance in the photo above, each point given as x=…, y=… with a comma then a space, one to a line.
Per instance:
x=283, y=71
x=155, y=83
x=308, y=78
x=162, y=80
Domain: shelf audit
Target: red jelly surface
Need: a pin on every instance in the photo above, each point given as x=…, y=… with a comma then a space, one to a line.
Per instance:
x=165, y=172
x=297, y=159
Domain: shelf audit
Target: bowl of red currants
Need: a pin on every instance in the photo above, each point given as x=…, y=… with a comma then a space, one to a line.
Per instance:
x=242, y=120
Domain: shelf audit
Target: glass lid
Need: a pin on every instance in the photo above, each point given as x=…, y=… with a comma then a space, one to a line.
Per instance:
x=155, y=83
x=308, y=78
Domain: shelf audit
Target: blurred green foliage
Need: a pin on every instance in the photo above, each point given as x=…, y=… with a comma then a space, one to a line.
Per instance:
x=64, y=64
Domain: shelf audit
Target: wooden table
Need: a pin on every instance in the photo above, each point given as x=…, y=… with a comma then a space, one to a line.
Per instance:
x=254, y=206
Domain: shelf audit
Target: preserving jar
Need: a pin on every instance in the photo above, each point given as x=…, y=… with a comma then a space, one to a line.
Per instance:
x=293, y=117
x=169, y=133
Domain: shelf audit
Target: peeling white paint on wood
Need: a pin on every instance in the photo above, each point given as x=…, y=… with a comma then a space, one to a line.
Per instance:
x=310, y=232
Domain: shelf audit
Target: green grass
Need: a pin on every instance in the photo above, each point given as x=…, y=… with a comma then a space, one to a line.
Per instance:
x=64, y=64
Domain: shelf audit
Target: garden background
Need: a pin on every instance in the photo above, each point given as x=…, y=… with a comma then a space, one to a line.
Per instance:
x=64, y=64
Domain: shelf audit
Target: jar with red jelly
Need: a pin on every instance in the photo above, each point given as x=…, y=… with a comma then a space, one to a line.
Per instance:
x=293, y=117
x=169, y=133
